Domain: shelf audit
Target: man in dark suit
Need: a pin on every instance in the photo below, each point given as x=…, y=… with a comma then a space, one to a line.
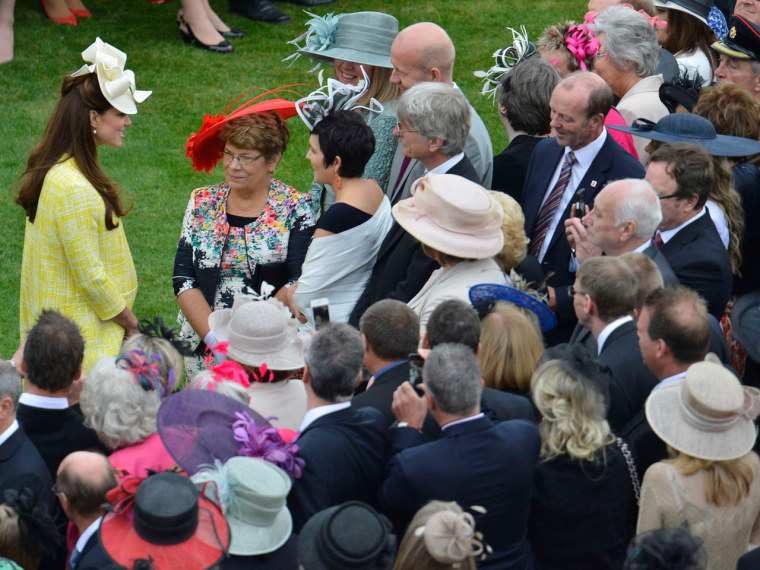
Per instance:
x=344, y=448
x=604, y=297
x=582, y=156
x=53, y=354
x=83, y=480
x=434, y=120
x=475, y=462
x=682, y=174
x=674, y=333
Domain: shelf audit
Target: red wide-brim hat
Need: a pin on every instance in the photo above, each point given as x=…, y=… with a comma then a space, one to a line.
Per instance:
x=204, y=148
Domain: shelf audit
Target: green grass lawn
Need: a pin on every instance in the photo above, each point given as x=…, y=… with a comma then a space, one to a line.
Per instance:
x=187, y=83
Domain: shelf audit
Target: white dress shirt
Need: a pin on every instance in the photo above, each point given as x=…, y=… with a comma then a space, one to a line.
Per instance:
x=609, y=329
x=315, y=413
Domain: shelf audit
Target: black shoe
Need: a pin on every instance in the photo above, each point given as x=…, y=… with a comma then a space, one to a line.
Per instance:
x=309, y=2
x=233, y=33
x=187, y=35
x=262, y=10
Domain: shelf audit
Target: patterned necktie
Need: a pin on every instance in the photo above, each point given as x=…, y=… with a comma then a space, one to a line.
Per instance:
x=658, y=241
x=74, y=559
x=547, y=211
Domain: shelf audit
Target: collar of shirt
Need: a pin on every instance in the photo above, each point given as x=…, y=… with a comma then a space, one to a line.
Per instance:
x=315, y=413
x=88, y=532
x=584, y=157
x=667, y=235
x=609, y=329
x=446, y=166
x=45, y=402
x=385, y=369
x=643, y=246
x=462, y=421
x=670, y=379
x=13, y=428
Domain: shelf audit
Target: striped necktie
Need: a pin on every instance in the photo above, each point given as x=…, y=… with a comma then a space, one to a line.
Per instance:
x=658, y=241
x=549, y=209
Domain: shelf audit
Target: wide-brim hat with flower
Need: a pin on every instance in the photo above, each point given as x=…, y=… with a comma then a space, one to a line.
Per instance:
x=165, y=521
x=116, y=83
x=259, y=332
x=204, y=148
x=496, y=292
x=452, y=215
x=360, y=37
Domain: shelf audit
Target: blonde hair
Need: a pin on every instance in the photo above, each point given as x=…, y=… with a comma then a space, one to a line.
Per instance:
x=413, y=555
x=381, y=87
x=727, y=481
x=731, y=203
x=170, y=358
x=10, y=540
x=510, y=347
x=573, y=413
x=513, y=228
x=204, y=380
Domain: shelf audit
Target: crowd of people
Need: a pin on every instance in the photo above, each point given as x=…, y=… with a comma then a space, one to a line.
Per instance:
x=432, y=358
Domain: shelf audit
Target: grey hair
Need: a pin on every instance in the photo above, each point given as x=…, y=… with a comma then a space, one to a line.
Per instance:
x=335, y=357
x=116, y=407
x=437, y=110
x=754, y=66
x=452, y=377
x=10, y=383
x=204, y=379
x=631, y=39
x=525, y=94
x=640, y=205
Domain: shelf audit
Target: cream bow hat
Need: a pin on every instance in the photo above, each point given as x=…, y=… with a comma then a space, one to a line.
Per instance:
x=116, y=83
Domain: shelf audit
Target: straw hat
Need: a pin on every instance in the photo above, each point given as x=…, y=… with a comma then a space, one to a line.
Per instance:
x=360, y=37
x=707, y=415
x=452, y=215
x=253, y=500
x=259, y=332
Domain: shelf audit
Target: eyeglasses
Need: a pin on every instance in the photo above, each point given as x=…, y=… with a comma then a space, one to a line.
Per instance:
x=402, y=131
x=228, y=157
x=602, y=55
x=573, y=291
x=667, y=196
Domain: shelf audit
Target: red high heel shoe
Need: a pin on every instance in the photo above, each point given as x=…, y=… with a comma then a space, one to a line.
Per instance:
x=70, y=20
x=81, y=13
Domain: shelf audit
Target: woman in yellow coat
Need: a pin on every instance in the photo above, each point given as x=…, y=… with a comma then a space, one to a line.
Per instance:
x=76, y=257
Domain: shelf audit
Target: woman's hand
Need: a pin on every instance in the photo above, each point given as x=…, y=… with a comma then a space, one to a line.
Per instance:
x=128, y=321
x=290, y=301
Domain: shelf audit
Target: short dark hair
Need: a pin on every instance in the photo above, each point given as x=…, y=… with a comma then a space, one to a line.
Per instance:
x=454, y=321
x=525, y=94
x=391, y=328
x=678, y=315
x=599, y=101
x=53, y=352
x=335, y=357
x=345, y=134
x=691, y=166
x=86, y=496
x=611, y=284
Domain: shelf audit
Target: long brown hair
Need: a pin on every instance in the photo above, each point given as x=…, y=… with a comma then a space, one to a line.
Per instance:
x=68, y=133
x=686, y=34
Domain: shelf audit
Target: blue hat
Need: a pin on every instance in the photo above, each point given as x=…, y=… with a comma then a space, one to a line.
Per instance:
x=494, y=292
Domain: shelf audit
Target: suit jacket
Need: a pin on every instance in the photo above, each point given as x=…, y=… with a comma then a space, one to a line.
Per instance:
x=668, y=277
x=94, y=556
x=701, y=262
x=497, y=405
x=56, y=433
x=474, y=463
x=612, y=162
x=477, y=148
x=19, y=458
x=401, y=269
x=631, y=379
x=345, y=454
x=647, y=447
x=511, y=166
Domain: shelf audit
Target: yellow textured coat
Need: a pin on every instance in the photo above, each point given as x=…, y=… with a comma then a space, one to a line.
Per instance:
x=73, y=264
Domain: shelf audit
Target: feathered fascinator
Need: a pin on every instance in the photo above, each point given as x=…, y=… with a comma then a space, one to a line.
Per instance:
x=264, y=442
x=204, y=148
x=581, y=42
x=506, y=60
x=450, y=538
x=157, y=329
x=146, y=369
x=37, y=529
x=335, y=96
x=319, y=36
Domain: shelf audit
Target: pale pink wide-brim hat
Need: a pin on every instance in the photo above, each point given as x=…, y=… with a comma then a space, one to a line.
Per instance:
x=708, y=415
x=452, y=215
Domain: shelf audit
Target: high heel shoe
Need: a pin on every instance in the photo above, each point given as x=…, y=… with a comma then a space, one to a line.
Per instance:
x=188, y=36
x=70, y=20
x=81, y=13
x=232, y=33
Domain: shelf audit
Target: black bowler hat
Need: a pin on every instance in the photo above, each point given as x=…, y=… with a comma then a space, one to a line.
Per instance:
x=742, y=41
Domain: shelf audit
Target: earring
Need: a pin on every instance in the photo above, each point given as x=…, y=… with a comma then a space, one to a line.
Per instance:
x=337, y=181
x=503, y=110
x=94, y=131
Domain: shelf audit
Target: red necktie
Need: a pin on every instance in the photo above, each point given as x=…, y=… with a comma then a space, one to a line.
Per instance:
x=658, y=241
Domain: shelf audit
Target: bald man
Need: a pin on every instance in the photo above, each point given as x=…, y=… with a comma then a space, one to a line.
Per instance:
x=425, y=52
x=82, y=482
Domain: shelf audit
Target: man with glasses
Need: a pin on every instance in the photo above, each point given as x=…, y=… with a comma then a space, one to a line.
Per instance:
x=739, y=52
x=682, y=174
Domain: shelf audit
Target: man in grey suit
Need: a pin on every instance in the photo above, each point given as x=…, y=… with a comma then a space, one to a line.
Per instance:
x=425, y=52
x=625, y=216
